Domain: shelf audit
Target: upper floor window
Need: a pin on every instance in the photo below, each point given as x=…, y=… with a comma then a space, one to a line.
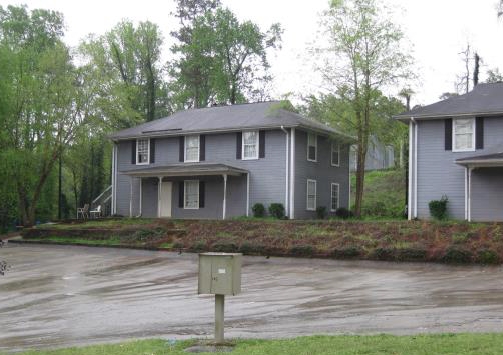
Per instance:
x=334, y=197
x=250, y=145
x=191, y=149
x=463, y=134
x=312, y=141
x=311, y=195
x=335, y=152
x=142, y=151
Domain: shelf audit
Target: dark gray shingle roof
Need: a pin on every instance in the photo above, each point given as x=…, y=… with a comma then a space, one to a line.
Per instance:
x=225, y=118
x=185, y=170
x=483, y=100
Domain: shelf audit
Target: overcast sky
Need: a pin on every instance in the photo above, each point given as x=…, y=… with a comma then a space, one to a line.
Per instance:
x=438, y=29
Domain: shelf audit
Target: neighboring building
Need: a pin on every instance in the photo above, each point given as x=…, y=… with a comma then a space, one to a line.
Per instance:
x=218, y=162
x=378, y=157
x=456, y=150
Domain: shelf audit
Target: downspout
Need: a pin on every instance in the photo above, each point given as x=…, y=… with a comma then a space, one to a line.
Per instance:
x=286, y=169
x=411, y=167
x=112, y=211
x=115, y=175
x=292, y=173
x=414, y=165
x=416, y=129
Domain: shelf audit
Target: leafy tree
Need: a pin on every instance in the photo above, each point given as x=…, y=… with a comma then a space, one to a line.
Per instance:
x=364, y=56
x=42, y=109
x=124, y=72
x=221, y=60
x=494, y=76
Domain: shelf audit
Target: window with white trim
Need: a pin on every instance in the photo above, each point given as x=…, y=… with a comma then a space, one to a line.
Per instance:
x=311, y=195
x=191, y=194
x=250, y=145
x=312, y=148
x=142, y=151
x=334, y=155
x=334, y=196
x=463, y=135
x=191, y=149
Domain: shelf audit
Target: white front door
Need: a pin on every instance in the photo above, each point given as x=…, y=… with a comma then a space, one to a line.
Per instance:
x=166, y=190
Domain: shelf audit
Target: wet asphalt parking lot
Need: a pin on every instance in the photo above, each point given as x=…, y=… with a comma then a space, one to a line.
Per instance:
x=58, y=296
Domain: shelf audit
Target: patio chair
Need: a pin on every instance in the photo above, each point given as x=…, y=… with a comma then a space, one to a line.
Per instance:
x=83, y=211
x=96, y=212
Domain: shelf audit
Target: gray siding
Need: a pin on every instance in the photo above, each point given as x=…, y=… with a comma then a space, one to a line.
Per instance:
x=487, y=194
x=437, y=172
x=123, y=182
x=321, y=171
x=267, y=175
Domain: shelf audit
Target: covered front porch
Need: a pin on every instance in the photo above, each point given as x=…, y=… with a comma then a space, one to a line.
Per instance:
x=206, y=191
x=483, y=187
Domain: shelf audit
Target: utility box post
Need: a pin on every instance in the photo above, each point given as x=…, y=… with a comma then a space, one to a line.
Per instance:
x=220, y=275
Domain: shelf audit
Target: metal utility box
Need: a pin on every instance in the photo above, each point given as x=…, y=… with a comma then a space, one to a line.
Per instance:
x=219, y=273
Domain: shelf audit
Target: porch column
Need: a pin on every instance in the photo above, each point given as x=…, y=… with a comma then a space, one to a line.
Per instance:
x=141, y=183
x=247, y=194
x=130, y=197
x=159, y=188
x=225, y=196
x=470, y=194
x=466, y=193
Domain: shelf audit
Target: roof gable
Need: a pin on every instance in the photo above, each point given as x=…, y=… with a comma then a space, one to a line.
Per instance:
x=483, y=100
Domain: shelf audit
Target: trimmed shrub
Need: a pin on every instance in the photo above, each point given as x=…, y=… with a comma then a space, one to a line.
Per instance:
x=487, y=256
x=438, y=208
x=321, y=212
x=301, y=250
x=347, y=252
x=277, y=210
x=224, y=247
x=343, y=213
x=457, y=255
x=258, y=210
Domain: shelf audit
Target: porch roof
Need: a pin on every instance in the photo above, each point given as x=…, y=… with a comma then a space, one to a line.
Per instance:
x=486, y=160
x=193, y=169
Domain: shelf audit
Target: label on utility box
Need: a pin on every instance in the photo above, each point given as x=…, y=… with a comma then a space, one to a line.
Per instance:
x=221, y=271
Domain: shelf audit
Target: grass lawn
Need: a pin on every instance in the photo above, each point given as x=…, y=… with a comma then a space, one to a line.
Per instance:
x=438, y=344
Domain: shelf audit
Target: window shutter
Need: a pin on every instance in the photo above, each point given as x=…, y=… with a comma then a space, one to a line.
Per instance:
x=201, y=194
x=133, y=151
x=181, y=153
x=239, y=141
x=261, y=144
x=202, y=147
x=479, y=133
x=180, y=194
x=448, y=134
x=152, y=150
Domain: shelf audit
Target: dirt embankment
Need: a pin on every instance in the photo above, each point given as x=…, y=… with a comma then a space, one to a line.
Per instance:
x=452, y=242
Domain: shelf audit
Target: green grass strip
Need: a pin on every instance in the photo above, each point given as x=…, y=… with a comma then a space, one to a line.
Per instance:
x=438, y=344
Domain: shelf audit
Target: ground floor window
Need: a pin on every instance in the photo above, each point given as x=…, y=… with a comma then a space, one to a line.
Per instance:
x=191, y=194
x=334, y=196
x=311, y=195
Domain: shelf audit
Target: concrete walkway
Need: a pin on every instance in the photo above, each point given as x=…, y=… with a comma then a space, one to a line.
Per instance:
x=56, y=296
